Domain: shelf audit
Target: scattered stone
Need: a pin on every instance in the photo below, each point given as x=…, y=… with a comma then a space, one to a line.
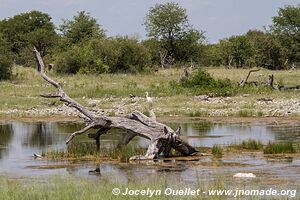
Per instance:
x=202, y=97
x=92, y=102
x=51, y=103
x=265, y=99
x=244, y=175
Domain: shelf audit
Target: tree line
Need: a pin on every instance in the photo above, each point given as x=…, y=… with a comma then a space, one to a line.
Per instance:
x=80, y=44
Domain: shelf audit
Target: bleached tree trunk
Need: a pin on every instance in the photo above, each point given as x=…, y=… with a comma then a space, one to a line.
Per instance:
x=162, y=137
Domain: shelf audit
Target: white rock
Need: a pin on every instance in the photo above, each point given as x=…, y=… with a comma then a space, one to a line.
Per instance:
x=244, y=175
x=37, y=156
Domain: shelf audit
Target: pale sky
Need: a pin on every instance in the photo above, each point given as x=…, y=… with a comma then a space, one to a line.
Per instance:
x=218, y=18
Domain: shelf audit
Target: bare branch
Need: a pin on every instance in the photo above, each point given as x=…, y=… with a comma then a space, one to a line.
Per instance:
x=60, y=93
x=54, y=95
x=85, y=129
x=245, y=81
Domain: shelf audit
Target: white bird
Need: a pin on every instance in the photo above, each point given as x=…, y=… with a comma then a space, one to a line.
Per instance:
x=149, y=99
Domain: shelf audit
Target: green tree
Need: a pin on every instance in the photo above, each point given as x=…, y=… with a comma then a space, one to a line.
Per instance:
x=5, y=59
x=121, y=54
x=27, y=30
x=236, y=50
x=286, y=28
x=212, y=55
x=190, y=47
x=83, y=27
x=168, y=23
x=267, y=51
x=132, y=56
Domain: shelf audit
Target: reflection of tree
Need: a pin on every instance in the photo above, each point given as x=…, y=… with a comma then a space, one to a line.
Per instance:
x=68, y=127
x=285, y=133
x=5, y=137
x=44, y=133
x=193, y=127
x=40, y=135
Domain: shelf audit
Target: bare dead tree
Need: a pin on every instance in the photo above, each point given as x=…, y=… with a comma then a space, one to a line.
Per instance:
x=245, y=81
x=184, y=75
x=165, y=59
x=270, y=82
x=162, y=137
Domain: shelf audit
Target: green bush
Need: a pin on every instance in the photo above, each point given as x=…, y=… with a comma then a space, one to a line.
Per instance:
x=5, y=60
x=70, y=61
x=122, y=54
x=80, y=58
x=133, y=56
x=202, y=82
x=5, y=68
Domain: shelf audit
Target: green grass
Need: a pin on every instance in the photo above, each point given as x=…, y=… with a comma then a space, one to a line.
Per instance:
x=245, y=113
x=65, y=188
x=198, y=113
x=217, y=151
x=71, y=188
x=279, y=148
x=77, y=188
x=252, y=144
x=87, y=150
x=22, y=92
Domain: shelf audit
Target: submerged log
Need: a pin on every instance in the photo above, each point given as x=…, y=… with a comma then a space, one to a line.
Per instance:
x=162, y=137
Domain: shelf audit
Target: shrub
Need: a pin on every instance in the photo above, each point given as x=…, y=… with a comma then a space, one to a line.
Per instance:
x=133, y=56
x=98, y=56
x=5, y=67
x=202, y=82
x=81, y=59
x=5, y=60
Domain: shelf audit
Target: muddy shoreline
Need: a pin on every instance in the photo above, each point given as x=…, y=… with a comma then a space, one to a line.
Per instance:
x=275, y=120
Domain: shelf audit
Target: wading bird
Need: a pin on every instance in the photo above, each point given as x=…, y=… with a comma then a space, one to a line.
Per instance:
x=149, y=99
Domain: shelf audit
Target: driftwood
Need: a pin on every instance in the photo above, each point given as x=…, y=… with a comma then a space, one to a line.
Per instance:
x=162, y=137
x=245, y=81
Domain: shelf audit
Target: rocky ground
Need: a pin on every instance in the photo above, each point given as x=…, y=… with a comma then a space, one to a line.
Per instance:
x=242, y=106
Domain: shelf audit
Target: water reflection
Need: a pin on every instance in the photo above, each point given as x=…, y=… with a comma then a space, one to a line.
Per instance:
x=5, y=137
x=20, y=140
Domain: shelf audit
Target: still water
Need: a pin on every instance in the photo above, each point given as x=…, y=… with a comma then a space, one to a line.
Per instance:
x=20, y=140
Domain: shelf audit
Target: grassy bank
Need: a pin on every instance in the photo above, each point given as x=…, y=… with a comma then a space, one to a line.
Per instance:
x=71, y=188
x=87, y=150
x=111, y=93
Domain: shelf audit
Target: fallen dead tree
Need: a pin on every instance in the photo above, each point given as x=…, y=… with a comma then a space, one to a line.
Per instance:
x=270, y=83
x=162, y=137
x=245, y=81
